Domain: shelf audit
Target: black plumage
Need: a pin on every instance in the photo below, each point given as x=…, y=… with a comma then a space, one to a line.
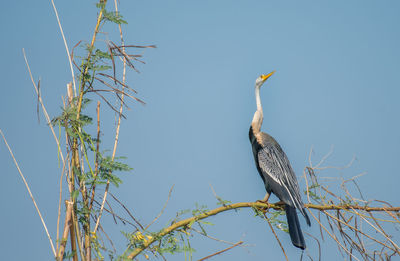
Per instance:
x=275, y=170
x=279, y=178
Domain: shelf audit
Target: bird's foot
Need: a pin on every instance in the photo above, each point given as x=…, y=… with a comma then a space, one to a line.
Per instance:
x=265, y=199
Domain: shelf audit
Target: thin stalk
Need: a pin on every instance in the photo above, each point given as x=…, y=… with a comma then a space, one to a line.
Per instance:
x=96, y=166
x=30, y=194
x=118, y=124
x=46, y=115
x=65, y=44
x=59, y=205
x=222, y=251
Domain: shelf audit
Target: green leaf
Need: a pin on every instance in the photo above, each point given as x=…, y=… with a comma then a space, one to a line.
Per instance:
x=68, y=255
x=206, y=222
x=101, y=5
x=223, y=202
x=100, y=54
x=102, y=68
x=75, y=194
x=113, y=17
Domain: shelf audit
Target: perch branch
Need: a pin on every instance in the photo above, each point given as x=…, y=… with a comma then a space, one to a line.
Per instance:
x=213, y=212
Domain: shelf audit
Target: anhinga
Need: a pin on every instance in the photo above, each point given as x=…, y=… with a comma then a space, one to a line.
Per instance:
x=276, y=172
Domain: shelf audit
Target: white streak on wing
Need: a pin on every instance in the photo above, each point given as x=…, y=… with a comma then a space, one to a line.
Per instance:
x=267, y=165
x=277, y=166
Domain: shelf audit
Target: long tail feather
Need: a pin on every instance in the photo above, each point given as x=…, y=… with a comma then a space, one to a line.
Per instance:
x=294, y=227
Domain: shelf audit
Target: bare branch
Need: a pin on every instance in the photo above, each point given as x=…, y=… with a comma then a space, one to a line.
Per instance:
x=127, y=210
x=44, y=109
x=222, y=251
x=30, y=194
x=66, y=46
x=162, y=210
x=276, y=236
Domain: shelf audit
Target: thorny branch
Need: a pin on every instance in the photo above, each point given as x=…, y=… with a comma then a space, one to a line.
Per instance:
x=258, y=205
x=350, y=222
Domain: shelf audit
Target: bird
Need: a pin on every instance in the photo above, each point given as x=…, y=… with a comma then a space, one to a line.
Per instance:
x=275, y=170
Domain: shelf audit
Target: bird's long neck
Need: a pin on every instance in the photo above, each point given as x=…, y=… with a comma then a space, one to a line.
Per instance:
x=258, y=115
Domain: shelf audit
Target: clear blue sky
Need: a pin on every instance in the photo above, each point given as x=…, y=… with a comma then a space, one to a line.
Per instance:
x=337, y=84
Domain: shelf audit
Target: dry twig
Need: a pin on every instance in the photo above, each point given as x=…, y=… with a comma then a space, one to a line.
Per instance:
x=222, y=251
x=276, y=236
x=30, y=193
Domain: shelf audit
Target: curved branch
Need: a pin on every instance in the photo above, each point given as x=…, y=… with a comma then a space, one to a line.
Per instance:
x=186, y=222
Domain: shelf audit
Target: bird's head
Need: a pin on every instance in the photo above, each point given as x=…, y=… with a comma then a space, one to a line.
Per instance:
x=262, y=78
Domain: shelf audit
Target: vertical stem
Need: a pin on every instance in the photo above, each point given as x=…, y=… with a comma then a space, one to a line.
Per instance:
x=68, y=223
x=86, y=227
x=75, y=151
x=75, y=225
x=96, y=166
x=118, y=124
x=78, y=236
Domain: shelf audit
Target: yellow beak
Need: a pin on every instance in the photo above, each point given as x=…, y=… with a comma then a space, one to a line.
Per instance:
x=265, y=77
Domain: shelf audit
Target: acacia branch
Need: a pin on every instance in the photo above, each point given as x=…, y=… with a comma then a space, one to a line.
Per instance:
x=118, y=124
x=191, y=220
x=75, y=152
